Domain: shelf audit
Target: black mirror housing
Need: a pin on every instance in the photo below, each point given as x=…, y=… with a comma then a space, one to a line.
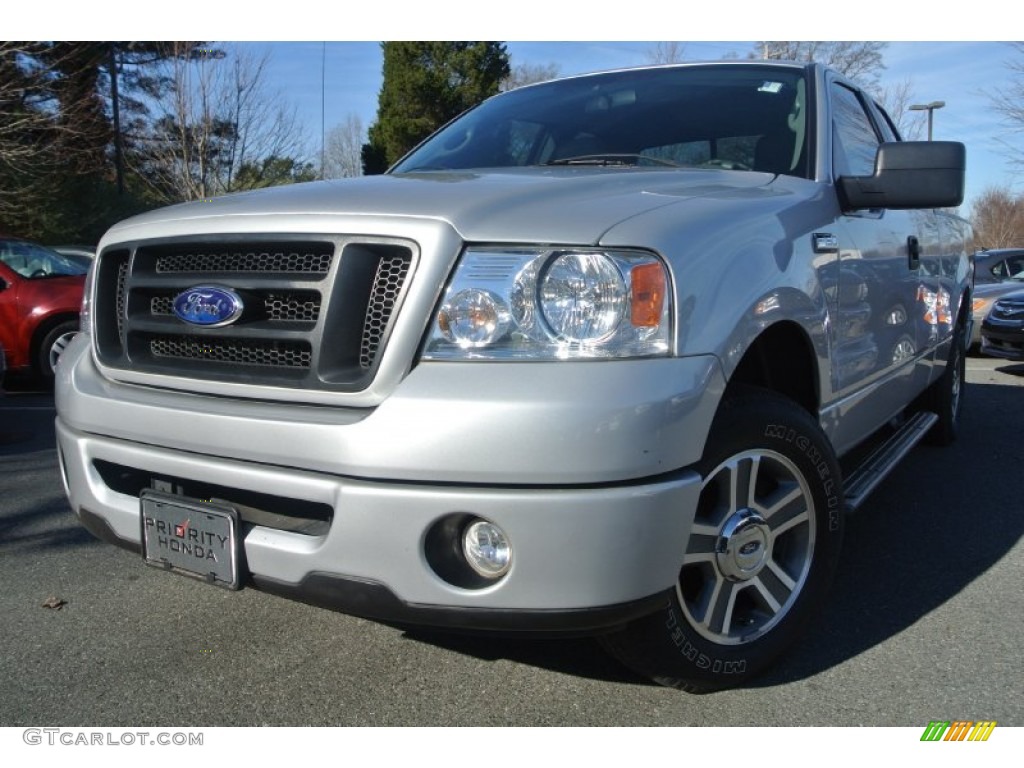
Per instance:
x=909, y=174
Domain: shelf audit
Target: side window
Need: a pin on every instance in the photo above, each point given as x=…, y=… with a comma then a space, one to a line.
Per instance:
x=1015, y=266
x=31, y=261
x=854, y=141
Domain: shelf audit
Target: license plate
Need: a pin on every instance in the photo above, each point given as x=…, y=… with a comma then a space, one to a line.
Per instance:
x=191, y=537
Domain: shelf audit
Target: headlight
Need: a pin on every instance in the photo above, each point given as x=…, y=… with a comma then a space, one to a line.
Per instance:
x=582, y=297
x=530, y=304
x=473, y=318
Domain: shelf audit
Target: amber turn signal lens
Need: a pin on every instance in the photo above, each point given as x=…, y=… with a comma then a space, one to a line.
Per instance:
x=648, y=295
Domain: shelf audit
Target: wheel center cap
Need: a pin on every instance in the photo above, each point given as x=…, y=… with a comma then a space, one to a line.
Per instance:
x=743, y=546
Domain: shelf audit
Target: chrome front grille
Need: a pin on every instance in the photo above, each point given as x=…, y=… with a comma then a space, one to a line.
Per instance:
x=317, y=311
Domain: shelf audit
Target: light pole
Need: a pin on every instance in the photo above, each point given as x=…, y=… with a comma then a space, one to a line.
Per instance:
x=931, y=107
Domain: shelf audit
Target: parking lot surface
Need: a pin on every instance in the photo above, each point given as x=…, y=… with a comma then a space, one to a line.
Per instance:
x=924, y=622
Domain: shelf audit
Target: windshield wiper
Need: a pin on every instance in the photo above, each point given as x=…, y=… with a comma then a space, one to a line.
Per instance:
x=612, y=159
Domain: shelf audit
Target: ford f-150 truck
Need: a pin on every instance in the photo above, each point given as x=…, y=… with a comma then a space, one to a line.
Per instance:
x=584, y=361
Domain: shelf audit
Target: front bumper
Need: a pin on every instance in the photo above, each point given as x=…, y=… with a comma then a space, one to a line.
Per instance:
x=598, y=510
x=575, y=549
x=1005, y=340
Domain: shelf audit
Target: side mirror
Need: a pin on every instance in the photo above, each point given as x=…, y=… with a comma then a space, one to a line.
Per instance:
x=909, y=174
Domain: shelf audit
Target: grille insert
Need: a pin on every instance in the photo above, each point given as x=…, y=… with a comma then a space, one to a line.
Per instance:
x=119, y=301
x=161, y=305
x=387, y=285
x=241, y=351
x=256, y=260
x=292, y=306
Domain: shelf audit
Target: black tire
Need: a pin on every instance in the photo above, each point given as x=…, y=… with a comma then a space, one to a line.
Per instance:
x=946, y=396
x=50, y=347
x=781, y=546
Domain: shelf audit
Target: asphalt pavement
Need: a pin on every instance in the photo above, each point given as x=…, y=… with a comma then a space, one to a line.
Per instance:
x=924, y=622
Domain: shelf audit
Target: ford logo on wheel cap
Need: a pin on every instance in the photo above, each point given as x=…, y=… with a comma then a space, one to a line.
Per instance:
x=208, y=305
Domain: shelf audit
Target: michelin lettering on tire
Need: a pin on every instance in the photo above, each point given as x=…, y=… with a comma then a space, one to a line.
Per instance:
x=701, y=660
x=804, y=444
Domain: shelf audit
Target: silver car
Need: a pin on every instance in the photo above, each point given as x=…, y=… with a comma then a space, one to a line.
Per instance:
x=583, y=361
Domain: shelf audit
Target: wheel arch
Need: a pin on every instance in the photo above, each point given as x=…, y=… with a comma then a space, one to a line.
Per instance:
x=47, y=325
x=43, y=328
x=781, y=359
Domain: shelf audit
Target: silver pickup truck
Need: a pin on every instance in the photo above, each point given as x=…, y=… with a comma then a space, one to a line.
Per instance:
x=584, y=361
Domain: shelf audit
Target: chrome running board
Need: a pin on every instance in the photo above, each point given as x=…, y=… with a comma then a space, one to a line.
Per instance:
x=876, y=467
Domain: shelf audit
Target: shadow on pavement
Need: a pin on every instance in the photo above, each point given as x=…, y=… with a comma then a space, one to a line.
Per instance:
x=34, y=514
x=581, y=657
x=26, y=422
x=1012, y=370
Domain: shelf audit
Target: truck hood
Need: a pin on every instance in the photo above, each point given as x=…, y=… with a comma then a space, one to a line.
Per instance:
x=552, y=205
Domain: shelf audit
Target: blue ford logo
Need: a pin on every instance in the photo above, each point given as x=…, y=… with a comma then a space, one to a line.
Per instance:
x=750, y=548
x=208, y=305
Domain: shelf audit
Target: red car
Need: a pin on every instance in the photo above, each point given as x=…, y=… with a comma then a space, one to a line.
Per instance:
x=40, y=298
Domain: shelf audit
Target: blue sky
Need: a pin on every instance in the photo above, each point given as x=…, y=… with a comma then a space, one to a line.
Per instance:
x=958, y=73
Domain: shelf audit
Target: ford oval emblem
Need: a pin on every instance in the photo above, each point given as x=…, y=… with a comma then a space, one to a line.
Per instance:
x=208, y=305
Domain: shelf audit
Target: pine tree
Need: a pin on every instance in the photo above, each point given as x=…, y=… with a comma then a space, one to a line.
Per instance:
x=426, y=84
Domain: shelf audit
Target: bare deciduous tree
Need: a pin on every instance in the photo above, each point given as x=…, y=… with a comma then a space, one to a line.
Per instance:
x=998, y=218
x=217, y=118
x=666, y=53
x=527, y=73
x=860, y=60
x=343, y=153
x=1009, y=102
x=896, y=98
x=38, y=135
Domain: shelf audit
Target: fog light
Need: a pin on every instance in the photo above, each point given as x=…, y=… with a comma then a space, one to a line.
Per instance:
x=487, y=549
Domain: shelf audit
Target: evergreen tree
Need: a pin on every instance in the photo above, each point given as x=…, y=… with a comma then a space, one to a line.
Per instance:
x=61, y=134
x=426, y=84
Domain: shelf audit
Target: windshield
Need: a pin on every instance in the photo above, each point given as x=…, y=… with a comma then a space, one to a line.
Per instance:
x=724, y=116
x=34, y=261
